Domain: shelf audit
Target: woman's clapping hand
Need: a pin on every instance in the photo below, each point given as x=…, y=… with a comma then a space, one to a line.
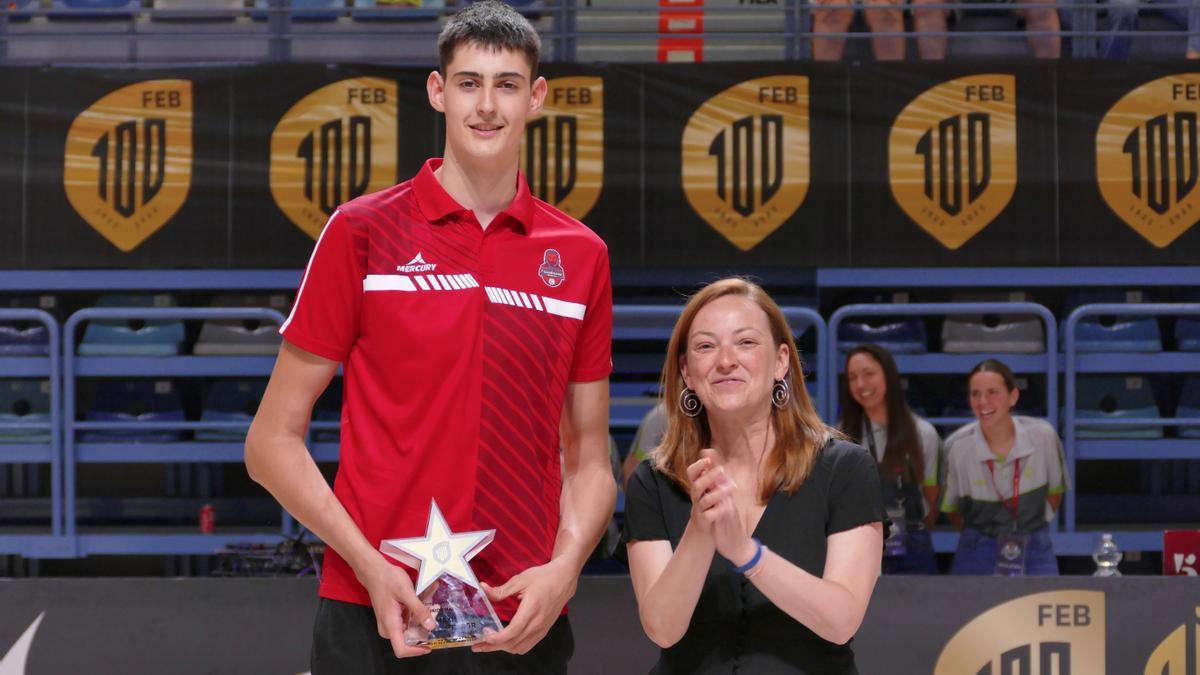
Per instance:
x=715, y=509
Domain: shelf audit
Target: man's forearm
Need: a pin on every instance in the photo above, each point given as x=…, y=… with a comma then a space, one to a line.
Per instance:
x=588, y=496
x=285, y=468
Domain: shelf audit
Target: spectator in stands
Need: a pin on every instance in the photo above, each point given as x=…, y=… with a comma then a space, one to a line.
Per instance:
x=649, y=435
x=1123, y=16
x=1004, y=482
x=449, y=395
x=886, y=16
x=883, y=16
x=875, y=415
x=746, y=462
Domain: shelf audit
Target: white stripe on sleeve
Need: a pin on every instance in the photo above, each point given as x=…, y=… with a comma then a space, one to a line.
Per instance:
x=388, y=282
x=571, y=310
x=304, y=281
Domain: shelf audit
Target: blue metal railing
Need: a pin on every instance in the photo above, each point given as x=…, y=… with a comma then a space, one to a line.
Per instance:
x=1133, y=363
x=48, y=366
x=75, y=366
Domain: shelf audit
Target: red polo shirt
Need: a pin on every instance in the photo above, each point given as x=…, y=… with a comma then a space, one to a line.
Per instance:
x=457, y=344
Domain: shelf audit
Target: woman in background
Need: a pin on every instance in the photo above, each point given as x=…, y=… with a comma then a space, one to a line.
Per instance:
x=906, y=447
x=1004, y=482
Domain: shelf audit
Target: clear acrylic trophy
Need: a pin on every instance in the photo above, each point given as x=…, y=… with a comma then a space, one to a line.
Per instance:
x=446, y=584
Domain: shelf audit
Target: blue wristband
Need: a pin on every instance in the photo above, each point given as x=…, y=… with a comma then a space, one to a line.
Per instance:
x=742, y=569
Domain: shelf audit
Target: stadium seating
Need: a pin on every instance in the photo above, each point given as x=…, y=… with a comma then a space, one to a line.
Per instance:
x=397, y=10
x=1189, y=406
x=630, y=402
x=247, y=337
x=1113, y=333
x=304, y=10
x=26, y=338
x=94, y=9
x=232, y=401
x=897, y=335
x=24, y=401
x=923, y=399
x=19, y=10
x=134, y=337
x=966, y=334
x=1107, y=397
x=1187, y=334
x=199, y=10
x=132, y=402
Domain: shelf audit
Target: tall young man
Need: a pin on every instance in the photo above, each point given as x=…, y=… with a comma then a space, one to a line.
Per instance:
x=474, y=325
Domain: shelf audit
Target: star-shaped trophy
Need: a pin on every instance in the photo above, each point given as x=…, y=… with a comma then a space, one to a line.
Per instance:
x=445, y=583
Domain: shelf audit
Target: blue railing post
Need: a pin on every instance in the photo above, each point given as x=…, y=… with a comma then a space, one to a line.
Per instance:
x=1071, y=369
x=52, y=373
x=71, y=373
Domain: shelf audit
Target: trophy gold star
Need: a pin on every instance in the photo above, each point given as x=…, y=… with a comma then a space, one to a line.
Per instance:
x=440, y=551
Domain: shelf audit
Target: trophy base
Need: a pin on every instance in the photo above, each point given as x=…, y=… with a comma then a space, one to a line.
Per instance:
x=462, y=612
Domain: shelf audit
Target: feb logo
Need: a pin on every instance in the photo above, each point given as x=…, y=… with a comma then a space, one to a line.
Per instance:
x=952, y=156
x=562, y=154
x=335, y=144
x=551, y=270
x=745, y=157
x=1171, y=655
x=128, y=163
x=1059, y=632
x=1146, y=158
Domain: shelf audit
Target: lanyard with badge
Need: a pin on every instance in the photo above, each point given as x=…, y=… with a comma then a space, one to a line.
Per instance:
x=896, y=543
x=1011, y=546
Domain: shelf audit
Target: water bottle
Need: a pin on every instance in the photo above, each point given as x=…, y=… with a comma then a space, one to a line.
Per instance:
x=1107, y=556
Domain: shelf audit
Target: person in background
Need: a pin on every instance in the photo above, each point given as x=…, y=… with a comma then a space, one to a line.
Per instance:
x=907, y=448
x=929, y=26
x=882, y=16
x=1004, y=482
x=649, y=435
x=1123, y=16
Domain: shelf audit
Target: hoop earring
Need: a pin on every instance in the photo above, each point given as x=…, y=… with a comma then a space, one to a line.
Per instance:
x=781, y=393
x=689, y=403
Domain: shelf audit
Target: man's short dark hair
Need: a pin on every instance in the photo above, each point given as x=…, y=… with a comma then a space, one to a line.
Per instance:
x=492, y=24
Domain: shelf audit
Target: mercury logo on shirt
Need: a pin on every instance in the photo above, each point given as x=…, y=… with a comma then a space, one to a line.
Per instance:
x=417, y=264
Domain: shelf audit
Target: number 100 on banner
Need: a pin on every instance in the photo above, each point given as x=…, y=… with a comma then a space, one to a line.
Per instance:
x=952, y=156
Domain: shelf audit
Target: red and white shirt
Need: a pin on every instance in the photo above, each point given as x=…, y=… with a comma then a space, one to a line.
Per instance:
x=457, y=344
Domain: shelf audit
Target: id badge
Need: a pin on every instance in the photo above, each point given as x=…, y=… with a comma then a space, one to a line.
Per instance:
x=1010, y=554
x=896, y=544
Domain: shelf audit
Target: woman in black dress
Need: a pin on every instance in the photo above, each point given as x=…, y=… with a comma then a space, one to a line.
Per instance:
x=753, y=534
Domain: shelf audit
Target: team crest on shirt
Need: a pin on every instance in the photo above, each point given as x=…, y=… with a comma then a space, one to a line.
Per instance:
x=551, y=270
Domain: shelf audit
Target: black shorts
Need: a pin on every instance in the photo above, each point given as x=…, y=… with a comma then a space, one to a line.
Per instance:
x=346, y=641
